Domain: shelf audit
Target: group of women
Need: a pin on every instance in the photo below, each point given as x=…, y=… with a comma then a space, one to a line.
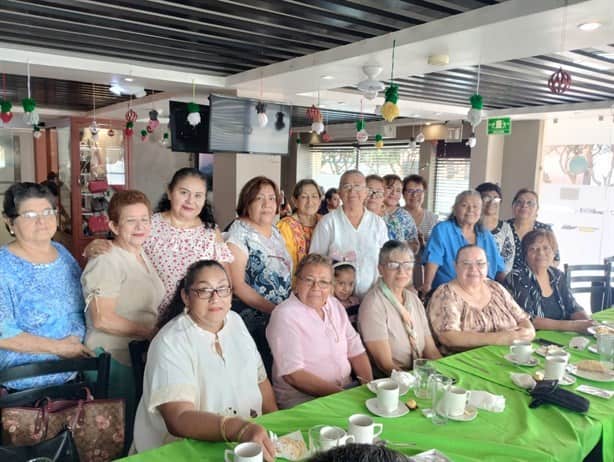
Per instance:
x=169, y=276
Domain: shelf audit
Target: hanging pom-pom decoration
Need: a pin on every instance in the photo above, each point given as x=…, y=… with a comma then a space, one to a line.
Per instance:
x=164, y=139
x=6, y=115
x=143, y=135
x=326, y=138
x=472, y=141
x=313, y=113
x=559, y=82
x=361, y=133
x=128, y=131
x=94, y=130
x=298, y=140
x=263, y=119
x=317, y=127
x=474, y=116
x=412, y=143
x=390, y=110
x=153, y=121
x=420, y=137
x=379, y=141
x=36, y=132
x=279, y=122
x=193, y=114
x=111, y=133
x=131, y=116
x=30, y=116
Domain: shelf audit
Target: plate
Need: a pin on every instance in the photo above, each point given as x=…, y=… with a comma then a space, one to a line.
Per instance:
x=544, y=349
x=593, y=349
x=566, y=380
x=373, y=407
x=591, y=375
x=592, y=330
x=372, y=386
x=467, y=416
x=531, y=362
x=433, y=455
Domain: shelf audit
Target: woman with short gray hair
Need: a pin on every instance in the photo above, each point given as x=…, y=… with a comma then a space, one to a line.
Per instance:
x=460, y=229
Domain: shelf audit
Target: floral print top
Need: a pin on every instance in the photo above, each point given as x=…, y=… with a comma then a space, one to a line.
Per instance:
x=504, y=237
x=401, y=225
x=269, y=266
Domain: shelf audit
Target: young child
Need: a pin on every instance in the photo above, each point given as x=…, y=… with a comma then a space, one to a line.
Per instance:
x=345, y=279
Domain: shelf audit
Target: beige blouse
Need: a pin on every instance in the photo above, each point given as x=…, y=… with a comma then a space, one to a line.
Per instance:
x=379, y=320
x=137, y=288
x=448, y=311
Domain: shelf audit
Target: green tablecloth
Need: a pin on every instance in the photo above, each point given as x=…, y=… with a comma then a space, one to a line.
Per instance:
x=547, y=433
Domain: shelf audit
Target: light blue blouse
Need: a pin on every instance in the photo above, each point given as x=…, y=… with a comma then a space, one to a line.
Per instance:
x=39, y=299
x=401, y=225
x=445, y=241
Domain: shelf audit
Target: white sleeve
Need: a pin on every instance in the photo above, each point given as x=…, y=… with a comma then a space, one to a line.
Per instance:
x=322, y=237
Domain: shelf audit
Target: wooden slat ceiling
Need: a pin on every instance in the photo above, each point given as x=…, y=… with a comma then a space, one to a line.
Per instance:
x=218, y=37
x=331, y=116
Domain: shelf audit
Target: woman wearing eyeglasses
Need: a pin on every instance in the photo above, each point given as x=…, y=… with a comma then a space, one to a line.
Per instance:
x=315, y=348
x=524, y=208
x=391, y=319
x=500, y=230
x=472, y=310
x=41, y=304
x=204, y=378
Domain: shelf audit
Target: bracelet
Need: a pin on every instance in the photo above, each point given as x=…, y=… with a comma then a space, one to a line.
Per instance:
x=223, y=427
x=242, y=431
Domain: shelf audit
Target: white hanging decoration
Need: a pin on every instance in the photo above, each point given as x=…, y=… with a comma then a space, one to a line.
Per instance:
x=420, y=137
x=193, y=109
x=474, y=115
x=362, y=136
x=472, y=141
x=317, y=127
x=263, y=119
x=30, y=116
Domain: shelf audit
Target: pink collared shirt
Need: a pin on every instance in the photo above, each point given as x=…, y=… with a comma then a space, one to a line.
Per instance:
x=300, y=339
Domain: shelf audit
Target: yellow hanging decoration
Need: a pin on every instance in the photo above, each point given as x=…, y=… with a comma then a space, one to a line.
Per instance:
x=390, y=110
x=379, y=141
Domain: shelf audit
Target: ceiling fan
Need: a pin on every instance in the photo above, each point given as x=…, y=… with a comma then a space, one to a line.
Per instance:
x=371, y=87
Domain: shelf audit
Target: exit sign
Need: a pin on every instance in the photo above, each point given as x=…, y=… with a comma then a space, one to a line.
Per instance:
x=500, y=126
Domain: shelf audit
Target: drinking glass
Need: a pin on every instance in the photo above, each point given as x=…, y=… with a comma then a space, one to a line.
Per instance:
x=440, y=384
x=423, y=371
x=605, y=347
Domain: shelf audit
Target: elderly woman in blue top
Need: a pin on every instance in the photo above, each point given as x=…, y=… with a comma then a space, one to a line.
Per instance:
x=460, y=229
x=41, y=304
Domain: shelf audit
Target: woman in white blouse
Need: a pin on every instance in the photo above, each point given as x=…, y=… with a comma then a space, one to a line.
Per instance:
x=204, y=376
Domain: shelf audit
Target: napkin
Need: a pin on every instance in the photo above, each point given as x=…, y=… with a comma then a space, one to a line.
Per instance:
x=403, y=378
x=523, y=380
x=291, y=446
x=579, y=343
x=487, y=401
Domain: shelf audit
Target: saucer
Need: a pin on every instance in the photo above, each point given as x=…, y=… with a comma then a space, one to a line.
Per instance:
x=566, y=380
x=531, y=362
x=593, y=349
x=372, y=386
x=467, y=416
x=373, y=407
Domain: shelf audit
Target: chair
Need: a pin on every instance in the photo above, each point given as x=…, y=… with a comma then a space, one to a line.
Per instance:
x=138, y=356
x=609, y=261
x=100, y=389
x=591, y=279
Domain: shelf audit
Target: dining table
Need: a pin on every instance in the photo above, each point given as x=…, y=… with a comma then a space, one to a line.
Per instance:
x=547, y=433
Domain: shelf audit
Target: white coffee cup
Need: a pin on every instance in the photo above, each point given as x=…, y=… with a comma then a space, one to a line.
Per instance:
x=331, y=437
x=363, y=429
x=244, y=452
x=388, y=395
x=554, y=367
x=521, y=350
x=455, y=401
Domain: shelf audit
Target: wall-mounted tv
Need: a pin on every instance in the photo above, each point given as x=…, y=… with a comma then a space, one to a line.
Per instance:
x=233, y=126
x=184, y=137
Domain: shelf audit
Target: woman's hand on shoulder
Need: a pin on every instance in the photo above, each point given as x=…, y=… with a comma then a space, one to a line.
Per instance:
x=71, y=347
x=97, y=247
x=258, y=434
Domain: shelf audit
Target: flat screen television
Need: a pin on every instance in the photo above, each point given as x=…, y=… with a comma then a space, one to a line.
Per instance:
x=233, y=126
x=184, y=137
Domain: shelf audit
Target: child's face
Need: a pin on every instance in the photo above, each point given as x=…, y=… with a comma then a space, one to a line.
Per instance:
x=344, y=284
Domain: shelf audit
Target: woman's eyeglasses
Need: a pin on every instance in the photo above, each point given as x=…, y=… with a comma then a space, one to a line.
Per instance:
x=43, y=214
x=398, y=265
x=530, y=203
x=489, y=199
x=205, y=293
x=321, y=283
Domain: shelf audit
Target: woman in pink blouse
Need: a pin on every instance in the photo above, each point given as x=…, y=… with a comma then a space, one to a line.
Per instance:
x=182, y=232
x=315, y=348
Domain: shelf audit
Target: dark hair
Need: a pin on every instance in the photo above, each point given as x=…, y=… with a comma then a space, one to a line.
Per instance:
x=391, y=246
x=330, y=193
x=414, y=179
x=123, y=199
x=298, y=187
x=374, y=177
x=534, y=235
x=343, y=266
x=176, y=305
x=391, y=179
x=20, y=192
x=250, y=191
x=358, y=453
x=206, y=214
x=488, y=187
x=465, y=247
x=525, y=191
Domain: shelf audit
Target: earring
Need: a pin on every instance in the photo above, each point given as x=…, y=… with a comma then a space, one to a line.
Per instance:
x=11, y=232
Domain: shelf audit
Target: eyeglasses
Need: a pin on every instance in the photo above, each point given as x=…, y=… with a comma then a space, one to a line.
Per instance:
x=489, y=199
x=205, y=293
x=398, y=265
x=376, y=194
x=414, y=191
x=321, y=283
x=355, y=187
x=469, y=263
x=43, y=214
x=530, y=203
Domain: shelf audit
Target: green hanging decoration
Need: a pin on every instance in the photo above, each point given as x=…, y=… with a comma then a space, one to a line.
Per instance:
x=476, y=101
x=5, y=106
x=390, y=110
x=360, y=125
x=143, y=135
x=28, y=104
x=379, y=141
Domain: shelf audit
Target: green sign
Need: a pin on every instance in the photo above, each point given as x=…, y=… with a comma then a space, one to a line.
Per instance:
x=500, y=126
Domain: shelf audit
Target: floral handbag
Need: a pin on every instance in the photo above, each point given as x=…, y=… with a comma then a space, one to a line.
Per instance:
x=97, y=425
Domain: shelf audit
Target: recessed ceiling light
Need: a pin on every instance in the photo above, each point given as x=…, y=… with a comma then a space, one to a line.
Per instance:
x=128, y=79
x=589, y=26
x=327, y=77
x=427, y=123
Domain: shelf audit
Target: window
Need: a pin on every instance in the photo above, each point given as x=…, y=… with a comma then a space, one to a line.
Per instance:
x=451, y=178
x=325, y=163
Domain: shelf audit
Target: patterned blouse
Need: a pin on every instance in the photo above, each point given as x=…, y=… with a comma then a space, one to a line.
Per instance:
x=269, y=266
x=504, y=237
x=401, y=225
x=448, y=311
x=525, y=289
x=43, y=300
x=519, y=261
x=171, y=250
x=297, y=237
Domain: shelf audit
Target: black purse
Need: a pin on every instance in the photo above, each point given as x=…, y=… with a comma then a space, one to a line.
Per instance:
x=60, y=448
x=548, y=391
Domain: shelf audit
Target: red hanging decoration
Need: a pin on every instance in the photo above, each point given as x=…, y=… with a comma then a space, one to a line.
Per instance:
x=314, y=114
x=559, y=82
x=5, y=105
x=131, y=116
